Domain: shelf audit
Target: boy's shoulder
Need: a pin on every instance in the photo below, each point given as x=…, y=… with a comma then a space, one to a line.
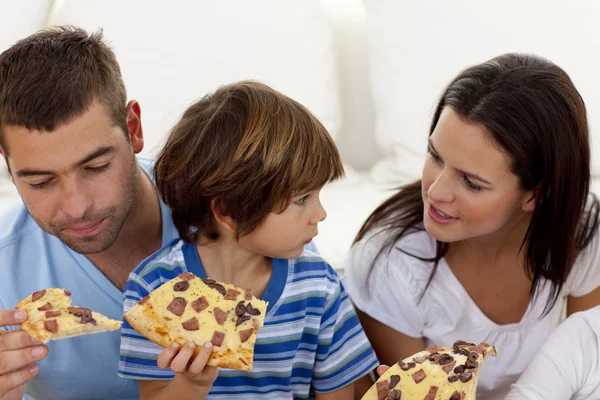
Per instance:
x=165, y=263
x=313, y=263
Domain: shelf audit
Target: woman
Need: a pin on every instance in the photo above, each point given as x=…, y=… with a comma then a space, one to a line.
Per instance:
x=498, y=236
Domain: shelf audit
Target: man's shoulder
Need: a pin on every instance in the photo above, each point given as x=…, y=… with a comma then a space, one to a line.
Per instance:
x=16, y=224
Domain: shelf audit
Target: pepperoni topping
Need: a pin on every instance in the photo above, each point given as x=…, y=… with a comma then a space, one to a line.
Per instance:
x=38, y=295
x=78, y=311
x=51, y=325
x=240, y=309
x=247, y=294
x=251, y=310
x=231, y=294
x=480, y=349
x=383, y=389
x=448, y=367
x=188, y=276
x=432, y=349
x=52, y=314
x=199, y=304
x=177, y=306
x=455, y=396
x=67, y=293
x=395, y=394
x=144, y=300
x=220, y=315
x=217, y=339
x=419, y=376
x=394, y=380
x=241, y=320
x=245, y=334
x=191, y=324
x=181, y=286
x=45, y=307
x=432, y=392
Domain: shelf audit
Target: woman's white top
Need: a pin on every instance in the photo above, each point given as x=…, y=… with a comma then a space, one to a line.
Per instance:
x=567, y=365
x=446, y=313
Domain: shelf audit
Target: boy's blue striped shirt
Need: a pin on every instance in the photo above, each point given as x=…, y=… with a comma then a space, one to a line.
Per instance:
x=311, y=340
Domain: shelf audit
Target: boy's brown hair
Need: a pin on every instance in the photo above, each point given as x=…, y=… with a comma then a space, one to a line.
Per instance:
x=247, y=148
x=54, y=75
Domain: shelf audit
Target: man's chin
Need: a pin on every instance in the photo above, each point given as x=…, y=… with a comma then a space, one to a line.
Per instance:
x=86, y=246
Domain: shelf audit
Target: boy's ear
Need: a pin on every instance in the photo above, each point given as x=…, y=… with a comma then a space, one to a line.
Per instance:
x=221, y=216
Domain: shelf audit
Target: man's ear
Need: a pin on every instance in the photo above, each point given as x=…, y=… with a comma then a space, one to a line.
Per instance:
x=134, y=126
x=531, y=198
x=222, y=217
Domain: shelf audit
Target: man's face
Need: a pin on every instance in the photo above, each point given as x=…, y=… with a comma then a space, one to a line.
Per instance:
x=80, y=181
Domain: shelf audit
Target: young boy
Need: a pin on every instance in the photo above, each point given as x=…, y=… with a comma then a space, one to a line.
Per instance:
x=241, y=172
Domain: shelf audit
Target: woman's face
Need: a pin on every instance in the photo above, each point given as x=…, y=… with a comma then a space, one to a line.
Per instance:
x=469, y=190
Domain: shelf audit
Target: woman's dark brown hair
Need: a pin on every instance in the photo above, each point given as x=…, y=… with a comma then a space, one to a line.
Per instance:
x=536, y=115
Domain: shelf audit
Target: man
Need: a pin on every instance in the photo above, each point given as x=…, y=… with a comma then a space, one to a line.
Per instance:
x=89, y=215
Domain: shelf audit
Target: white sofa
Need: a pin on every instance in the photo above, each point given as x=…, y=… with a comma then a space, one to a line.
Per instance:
x=371, y=71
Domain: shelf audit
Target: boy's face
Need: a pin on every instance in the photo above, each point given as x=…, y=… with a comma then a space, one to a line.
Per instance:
x=78, y=182
x=284, y=235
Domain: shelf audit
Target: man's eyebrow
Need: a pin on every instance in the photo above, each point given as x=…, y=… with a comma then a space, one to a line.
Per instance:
x=99, y=152
x=95, y=154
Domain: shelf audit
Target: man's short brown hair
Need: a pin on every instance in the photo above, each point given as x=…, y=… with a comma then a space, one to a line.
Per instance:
x=54, y=75
x=247, y=148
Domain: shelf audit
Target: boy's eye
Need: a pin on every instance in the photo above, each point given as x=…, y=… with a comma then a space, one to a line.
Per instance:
x=302, y=200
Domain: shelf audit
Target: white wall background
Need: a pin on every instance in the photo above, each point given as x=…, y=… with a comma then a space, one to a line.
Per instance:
x=371, y=70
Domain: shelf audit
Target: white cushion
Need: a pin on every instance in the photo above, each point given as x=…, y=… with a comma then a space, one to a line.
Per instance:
x=172, y=53
x=417, y=47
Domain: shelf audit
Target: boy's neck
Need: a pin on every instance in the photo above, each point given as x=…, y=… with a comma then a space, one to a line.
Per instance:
x=226, y=261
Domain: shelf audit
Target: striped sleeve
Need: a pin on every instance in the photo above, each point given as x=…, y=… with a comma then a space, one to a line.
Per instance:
x=138, y=355
x=344, y=353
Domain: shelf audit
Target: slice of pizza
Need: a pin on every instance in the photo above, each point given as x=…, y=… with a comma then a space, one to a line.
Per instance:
x=189, y=309
x=437, y=373
x=51, y=316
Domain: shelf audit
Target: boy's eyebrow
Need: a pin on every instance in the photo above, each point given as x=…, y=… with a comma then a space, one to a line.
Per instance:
x=95, y=154
x=469, y=174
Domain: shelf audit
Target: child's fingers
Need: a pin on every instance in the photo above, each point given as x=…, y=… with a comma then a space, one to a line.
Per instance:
x=382, y=369
x=201, y=359
x=167, y=355
x=181, y=360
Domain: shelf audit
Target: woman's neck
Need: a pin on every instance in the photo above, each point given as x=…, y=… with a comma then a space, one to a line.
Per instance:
x=504, y=244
